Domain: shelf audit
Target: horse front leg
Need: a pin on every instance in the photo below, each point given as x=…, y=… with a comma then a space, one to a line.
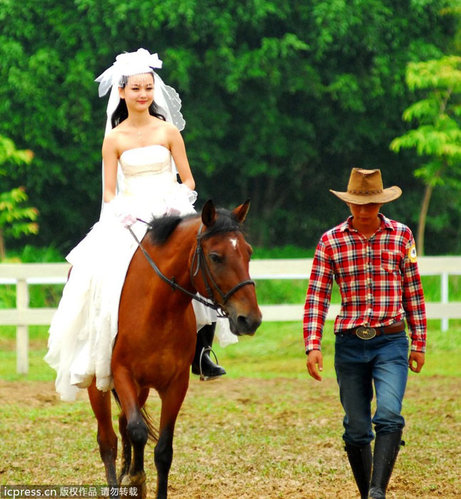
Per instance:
x=126, y=443
x=172, y=399
x=136, y=428
x=107, y=439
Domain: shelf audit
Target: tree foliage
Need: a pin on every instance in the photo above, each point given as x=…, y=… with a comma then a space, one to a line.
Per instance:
x=16, y=218
x=438, y=137
x=281, y=99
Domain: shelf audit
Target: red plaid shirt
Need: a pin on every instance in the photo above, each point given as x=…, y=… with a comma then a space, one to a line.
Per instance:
x=378, y=279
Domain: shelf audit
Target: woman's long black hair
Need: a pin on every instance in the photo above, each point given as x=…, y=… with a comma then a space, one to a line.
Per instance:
x=121, y=112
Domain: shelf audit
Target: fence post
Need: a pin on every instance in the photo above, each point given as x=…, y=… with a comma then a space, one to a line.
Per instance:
x=22, y=330
x=444, y=298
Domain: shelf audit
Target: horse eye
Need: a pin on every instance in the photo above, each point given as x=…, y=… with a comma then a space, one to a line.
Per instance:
x=215, y=258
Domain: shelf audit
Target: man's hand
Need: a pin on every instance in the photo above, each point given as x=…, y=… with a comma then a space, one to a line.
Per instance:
x=315, y=364
x=416, y=361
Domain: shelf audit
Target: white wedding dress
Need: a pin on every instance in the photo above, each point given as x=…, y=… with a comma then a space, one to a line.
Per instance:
x=84, y=327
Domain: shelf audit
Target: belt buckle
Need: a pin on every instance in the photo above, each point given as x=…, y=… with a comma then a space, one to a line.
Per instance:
x=365, y=332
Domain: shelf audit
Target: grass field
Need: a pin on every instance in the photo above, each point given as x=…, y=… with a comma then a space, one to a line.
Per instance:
x=264, y=431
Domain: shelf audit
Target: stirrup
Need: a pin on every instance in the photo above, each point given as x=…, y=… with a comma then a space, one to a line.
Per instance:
x=202, y=353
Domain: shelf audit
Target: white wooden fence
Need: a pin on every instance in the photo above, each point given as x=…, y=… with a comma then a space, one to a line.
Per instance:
x=23, y=275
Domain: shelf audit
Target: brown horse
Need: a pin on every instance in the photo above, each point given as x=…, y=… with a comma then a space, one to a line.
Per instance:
x=156, y=337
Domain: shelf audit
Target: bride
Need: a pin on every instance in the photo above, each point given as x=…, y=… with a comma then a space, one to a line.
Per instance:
x=143, y=152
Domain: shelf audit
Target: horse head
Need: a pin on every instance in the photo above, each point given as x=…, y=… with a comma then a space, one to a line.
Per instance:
x=222, y=262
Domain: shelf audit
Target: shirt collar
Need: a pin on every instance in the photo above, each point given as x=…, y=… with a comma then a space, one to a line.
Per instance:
x=347, y=225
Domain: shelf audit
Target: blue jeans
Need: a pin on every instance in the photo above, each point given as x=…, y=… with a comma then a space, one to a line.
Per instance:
x=382, y=361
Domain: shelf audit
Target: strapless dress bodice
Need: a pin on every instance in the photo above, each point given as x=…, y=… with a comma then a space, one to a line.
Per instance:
x=147, y=173
x=146, y=160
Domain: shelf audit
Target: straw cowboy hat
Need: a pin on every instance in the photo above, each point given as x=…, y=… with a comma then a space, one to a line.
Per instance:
x=366, y=186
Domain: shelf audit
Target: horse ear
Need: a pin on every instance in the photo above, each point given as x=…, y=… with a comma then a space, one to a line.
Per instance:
x=240, y=213
x=208, y=214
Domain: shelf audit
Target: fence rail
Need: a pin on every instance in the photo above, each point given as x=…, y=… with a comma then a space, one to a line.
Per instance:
x=300, y=268
x=23, y=275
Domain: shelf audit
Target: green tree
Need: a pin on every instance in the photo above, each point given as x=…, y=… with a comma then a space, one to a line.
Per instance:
x=16, y=219
x=281, y=99
x=438, y=137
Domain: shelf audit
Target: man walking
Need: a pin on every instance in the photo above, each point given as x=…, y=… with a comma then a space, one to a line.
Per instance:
x=373, y=261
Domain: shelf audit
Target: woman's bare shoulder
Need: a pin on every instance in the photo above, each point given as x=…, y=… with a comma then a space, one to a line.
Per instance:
x=115, y=135
x=170, y=130
x=112, y=140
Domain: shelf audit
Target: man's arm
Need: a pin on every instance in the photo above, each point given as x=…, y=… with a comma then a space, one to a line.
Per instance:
x=413, y=303
x=316, y=308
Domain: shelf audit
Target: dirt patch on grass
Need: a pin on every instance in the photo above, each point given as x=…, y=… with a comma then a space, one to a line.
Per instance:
x=34, y=394
x=245, y=438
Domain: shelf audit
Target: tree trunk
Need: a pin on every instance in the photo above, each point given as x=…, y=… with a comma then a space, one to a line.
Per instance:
x=268, y=196
x=2, y=246
x=422, y=219
x=424, y=209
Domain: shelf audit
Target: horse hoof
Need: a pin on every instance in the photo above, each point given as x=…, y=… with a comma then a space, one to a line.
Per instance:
x=124, y=480
x=138, y=480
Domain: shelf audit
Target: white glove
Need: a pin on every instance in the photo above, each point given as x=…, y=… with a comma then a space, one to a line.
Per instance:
x=183, y=197
x=118, y=207
x=189, y=193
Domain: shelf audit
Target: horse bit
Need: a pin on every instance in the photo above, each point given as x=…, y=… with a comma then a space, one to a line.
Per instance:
x=200, y=263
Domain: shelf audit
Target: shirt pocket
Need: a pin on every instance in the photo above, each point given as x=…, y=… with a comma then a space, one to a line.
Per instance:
x=390, y=262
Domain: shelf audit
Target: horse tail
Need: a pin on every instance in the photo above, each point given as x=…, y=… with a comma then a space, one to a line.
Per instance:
x=152, y=432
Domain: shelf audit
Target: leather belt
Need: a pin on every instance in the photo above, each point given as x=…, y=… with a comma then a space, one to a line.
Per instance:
x=368, y=332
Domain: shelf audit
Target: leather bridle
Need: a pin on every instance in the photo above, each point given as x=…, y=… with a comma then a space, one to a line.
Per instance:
x=200, y=264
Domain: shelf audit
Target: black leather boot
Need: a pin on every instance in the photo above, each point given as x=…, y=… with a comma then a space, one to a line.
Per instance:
x=202, y=364
x=387, y=447
x=360, y=461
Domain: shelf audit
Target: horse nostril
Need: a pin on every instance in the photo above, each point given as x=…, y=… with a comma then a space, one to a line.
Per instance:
x=247, y=324
x=242, y=323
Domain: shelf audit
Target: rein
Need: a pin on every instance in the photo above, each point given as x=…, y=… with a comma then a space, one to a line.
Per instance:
x=201, y=265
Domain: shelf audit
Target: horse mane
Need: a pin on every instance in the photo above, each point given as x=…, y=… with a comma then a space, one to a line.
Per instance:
x=161, y=228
